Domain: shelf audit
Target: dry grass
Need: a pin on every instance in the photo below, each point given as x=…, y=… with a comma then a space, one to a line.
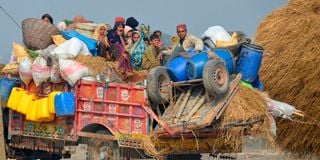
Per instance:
x=291, y=72
x=246, y=106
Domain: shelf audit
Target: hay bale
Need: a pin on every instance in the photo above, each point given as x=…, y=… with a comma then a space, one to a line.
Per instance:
x=291, y=71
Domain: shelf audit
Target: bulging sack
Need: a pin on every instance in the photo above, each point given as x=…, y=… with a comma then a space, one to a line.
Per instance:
x=71, y=71
x=70, y=49
x=40, y=71
x=25, y=70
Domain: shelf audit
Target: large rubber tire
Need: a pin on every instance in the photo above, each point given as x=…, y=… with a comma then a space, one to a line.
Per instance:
x=157, y=93
x=103, y=149
x=216, y=78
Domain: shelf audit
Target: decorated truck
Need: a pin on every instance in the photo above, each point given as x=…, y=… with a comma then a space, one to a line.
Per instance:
x=89, y=118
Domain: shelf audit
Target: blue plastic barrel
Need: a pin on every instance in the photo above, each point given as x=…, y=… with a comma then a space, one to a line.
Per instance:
x=248, y=64
x=64, y=104
x=227, y=57
x=196, y=64
x=257, y=83
x=177, y=69
x=6, y=86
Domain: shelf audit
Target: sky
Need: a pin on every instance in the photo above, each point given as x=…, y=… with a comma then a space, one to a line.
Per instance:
x=164, y=15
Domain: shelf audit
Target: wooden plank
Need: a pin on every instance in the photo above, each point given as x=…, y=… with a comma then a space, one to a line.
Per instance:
x=2, y=141
x=218, y=109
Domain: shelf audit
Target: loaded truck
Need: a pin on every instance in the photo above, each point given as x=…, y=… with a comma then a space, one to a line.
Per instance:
x=114, y=120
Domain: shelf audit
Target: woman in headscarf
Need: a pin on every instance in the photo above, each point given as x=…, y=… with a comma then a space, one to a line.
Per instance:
x=137, y=51
x=116, y=40
x=100, y=34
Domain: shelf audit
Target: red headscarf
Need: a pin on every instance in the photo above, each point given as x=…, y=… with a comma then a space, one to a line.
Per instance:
x=119, y=19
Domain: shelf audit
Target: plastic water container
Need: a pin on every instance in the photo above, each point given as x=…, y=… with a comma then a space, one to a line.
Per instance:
x=216, y=33
x=32, y=114
x=6, y=86
x=227, y=57
x=25, y=102
x=15, y=98
x=195, y=65
x=65, y=104
x=51, y=97
x=249, y=62
x=43, y=114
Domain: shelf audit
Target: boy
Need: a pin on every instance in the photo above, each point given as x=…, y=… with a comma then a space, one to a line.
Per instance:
x=152, y=56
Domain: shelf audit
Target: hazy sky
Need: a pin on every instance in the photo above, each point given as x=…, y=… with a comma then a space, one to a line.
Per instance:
x=241, y=15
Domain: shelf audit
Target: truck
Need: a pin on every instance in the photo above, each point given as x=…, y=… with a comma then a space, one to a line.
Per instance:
x=116, y=121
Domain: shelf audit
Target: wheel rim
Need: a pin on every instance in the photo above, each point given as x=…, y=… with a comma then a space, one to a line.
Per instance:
x=220, y=76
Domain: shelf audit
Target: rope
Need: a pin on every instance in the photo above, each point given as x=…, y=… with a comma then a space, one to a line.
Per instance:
x=11, y=17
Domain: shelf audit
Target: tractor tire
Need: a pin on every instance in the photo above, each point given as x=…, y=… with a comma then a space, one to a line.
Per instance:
x=216, y=79
x=156, y=92
x=103, y=149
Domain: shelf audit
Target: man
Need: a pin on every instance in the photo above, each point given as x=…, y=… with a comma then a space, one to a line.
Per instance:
x=188, y=41
x=185, y=42
x=152, y=56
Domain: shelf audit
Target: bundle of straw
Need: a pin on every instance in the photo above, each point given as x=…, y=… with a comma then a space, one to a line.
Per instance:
x=291, y=72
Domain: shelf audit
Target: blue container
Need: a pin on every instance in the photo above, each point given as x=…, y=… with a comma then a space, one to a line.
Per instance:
x=196, y=64
x=90, y=43
x=64, y=104
x=177, y=69
x=249, y=62
x=227, y=57
x=6, y=86
x=257, y=83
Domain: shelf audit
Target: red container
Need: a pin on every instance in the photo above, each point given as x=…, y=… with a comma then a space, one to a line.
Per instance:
x=115, y=106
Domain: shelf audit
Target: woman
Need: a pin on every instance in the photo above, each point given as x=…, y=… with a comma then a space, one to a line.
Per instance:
x=100, y=34
x=116, y=40
x=124, y=66
x=134, y=38
x=137, y=51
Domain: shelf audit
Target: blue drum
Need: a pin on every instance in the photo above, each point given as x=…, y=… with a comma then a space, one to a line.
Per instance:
x=249, y=62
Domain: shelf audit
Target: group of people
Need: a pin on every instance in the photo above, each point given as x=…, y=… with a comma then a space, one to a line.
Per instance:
x=132, y=46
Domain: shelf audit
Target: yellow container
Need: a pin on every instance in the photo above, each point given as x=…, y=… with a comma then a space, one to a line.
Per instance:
x=32, y=112
x=51, y=101
x=15, y=98
x=24, y=103
x=43, y=110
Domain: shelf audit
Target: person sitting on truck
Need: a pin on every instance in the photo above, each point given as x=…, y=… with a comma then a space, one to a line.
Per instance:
x=100, y=34
x=185, y=42
x=116, y=40
x=47, y=18
x=152, y=56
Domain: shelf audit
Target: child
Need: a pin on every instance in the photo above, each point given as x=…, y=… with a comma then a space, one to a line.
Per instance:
x=152, y=56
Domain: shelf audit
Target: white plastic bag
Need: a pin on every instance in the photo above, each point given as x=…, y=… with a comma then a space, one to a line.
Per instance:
x=70, y=49
x=215, y=33
x=25, y=70
x=71, y=71
x=280, y=109
x=40, y=71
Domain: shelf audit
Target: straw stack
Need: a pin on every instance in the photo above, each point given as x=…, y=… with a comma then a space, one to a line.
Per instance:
x=291, y=72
